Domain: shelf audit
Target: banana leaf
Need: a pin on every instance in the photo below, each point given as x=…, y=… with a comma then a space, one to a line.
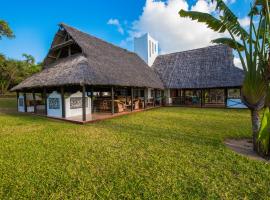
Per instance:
x=264, y=133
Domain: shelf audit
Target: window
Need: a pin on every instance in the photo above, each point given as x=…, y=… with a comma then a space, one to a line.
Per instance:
x=76, y=102
x=153, y=48
x=149, y=48
x=234, y=93
x=54, y=103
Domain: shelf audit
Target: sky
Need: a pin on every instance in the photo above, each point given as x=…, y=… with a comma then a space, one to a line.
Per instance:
x=117, y=21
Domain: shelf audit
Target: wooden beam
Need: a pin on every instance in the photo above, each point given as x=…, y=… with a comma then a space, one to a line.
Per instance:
x=92, y=99
x=61, y=35
x=53, y=57
x=61, y=45
x=63, y=102
x=24, y=102
x=202, y=98
x=45, y=100
x=154, y=97
x=131, y=99
x=112, y=105
x=17, y=93
x=83, y=104
x=144, y=99
x=69, y=51
x=225, y=97
x=35, y=102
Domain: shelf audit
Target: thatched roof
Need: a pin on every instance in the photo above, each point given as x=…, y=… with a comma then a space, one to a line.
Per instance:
x=100, y=63
x=208, y=67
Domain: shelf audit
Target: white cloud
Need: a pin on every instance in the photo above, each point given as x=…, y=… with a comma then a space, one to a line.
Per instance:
x=115, y=22
x=237, y=62
x=162, y=21
x=244, y=21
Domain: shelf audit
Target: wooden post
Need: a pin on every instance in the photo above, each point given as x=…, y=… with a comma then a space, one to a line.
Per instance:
x=160, y=97
x=144, y=99
x=154, y=97
x=184, y=92
x=112, y=104
x=83, y=104
x=45, y=100
x=225, y=97
x=92, y=101
x=131, y=99
x=126, y=96
x=201, y=98
x=24, y=102
x=17, y=93
x=63, y=102
x=35, y=102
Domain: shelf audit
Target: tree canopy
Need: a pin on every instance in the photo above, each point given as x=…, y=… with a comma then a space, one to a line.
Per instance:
x=5, y=30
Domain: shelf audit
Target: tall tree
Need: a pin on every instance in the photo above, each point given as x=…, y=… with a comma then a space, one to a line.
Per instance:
x=5, y=30
x=252, y=46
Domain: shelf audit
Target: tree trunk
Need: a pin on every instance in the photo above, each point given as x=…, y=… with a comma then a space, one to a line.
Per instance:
x=255, y=120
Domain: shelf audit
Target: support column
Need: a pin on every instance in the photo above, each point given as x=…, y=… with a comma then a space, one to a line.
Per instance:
x=17, y=93
x=45, y=100
x=24, y=102
x=184, y=92
x=63, y=102
x=112, y=104
x=225, y=97
x=144, y=99
x=202, y=98
x=160, y=97
x=92, y=101
x=126, y=96
x=154, y=98
x=35, y=102
x=131, y=99
x=83, y=104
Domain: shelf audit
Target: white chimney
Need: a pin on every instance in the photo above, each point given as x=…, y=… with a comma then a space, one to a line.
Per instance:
x=147, y=48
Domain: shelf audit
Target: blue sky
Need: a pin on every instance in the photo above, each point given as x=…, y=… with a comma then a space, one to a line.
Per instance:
x=35, y=22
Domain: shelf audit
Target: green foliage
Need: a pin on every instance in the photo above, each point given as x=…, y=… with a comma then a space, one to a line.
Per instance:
x=14, y=71
x=230, y=42
x=264, y=136
x=166, y=153
x=5, y=30
x=252, y=46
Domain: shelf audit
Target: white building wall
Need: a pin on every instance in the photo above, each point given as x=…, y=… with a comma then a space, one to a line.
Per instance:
x=54, y=105
x=21, y=103
x=147, y=48
x=77, y=111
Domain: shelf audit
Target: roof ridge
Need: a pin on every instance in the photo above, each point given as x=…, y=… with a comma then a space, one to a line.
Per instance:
x=89, y=35
x=192, y=50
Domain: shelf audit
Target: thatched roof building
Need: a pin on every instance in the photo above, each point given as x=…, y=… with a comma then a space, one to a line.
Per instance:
x=210, y=67
x=92, y=62
x=83, y=75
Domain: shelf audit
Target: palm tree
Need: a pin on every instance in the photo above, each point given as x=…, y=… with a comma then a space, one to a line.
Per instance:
x=252, y=47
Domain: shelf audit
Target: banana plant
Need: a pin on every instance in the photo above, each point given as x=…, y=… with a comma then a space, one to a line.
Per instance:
x=251, y=45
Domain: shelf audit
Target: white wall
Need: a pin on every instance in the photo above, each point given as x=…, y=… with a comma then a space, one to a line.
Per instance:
x=77, y=111
x=21, y=103
x=147, y=48
x=54, y=111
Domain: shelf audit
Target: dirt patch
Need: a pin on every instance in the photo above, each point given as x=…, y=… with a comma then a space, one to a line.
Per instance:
x=243, y=147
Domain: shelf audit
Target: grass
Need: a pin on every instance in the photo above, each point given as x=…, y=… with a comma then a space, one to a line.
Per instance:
x=166, y=153
x=7, y=102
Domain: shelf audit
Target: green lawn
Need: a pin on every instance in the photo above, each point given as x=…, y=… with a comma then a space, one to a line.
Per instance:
x=166, y=153
x=8, y=103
